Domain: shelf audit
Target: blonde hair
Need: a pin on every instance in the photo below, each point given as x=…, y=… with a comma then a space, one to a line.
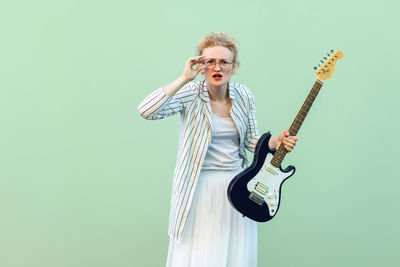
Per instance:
x=219, y=39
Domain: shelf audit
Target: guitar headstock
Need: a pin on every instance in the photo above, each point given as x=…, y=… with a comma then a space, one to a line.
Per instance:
x=325, y=70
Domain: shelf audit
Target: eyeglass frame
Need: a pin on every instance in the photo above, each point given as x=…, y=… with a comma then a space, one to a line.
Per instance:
x=207, y=65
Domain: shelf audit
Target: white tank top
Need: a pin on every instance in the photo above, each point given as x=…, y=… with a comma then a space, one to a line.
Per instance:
x=223, y=151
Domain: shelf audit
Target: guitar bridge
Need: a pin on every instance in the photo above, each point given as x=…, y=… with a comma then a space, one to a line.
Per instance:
x=256, y=198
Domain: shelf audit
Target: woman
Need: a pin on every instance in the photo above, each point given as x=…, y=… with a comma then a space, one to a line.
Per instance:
x=217, y=124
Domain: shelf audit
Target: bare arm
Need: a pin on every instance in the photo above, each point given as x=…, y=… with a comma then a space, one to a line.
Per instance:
x=162, y=103
x=171, y=89
x=188, y=75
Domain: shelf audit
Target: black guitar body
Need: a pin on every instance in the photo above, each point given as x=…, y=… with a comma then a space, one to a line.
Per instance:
x=238, y=193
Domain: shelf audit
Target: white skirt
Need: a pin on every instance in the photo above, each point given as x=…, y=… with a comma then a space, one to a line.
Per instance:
x=215, y=234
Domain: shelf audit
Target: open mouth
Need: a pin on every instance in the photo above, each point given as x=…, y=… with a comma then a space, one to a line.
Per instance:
x=217, y=76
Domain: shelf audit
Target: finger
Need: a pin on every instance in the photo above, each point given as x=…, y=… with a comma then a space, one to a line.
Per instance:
x=287, y=132
x=200, y=68
x=196, y=59
x=286, y=140
x=289, y=144
x=194, y=63
x=290, y=141
x=288, y=148
x=284, y=133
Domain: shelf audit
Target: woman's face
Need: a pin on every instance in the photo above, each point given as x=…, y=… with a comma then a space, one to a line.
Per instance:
x=221, y=57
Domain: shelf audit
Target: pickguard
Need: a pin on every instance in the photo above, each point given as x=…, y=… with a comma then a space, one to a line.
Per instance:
x=266, y=185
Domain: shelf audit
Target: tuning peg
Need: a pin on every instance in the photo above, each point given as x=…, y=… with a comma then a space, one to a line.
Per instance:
x=328, y=54
x=315, y=67
x=322, y=61
x=325, y=58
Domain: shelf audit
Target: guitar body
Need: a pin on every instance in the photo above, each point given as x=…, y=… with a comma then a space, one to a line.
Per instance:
x=256, y=191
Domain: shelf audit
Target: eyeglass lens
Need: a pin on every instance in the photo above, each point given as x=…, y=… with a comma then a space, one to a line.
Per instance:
x=210, y=63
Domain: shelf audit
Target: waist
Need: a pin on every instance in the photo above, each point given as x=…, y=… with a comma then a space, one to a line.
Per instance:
x=238, y=168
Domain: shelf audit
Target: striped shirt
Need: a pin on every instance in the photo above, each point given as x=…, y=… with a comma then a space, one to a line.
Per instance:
x=192, y=101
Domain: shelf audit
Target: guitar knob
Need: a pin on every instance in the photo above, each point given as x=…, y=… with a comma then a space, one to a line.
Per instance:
x=269, y=196
x=272, y=203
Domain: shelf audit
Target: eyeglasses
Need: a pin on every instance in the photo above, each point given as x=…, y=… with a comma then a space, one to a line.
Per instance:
x=210, y=63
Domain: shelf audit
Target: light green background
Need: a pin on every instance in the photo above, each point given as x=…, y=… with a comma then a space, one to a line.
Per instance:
x=86, y=182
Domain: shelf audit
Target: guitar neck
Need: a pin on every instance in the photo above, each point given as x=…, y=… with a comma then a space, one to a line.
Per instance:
x=298, y=121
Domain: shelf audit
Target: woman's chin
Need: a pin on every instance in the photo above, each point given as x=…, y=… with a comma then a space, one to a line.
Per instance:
x=214, y=82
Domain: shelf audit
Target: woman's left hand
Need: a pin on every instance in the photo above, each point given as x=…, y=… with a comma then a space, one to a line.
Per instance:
x=288, y=141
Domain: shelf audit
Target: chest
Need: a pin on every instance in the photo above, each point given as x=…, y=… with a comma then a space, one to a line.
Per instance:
x=197, y=119
x=221, y=109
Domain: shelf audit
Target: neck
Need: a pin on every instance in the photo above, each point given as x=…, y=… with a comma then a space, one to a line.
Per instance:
x=219, y=93
x=298, y=121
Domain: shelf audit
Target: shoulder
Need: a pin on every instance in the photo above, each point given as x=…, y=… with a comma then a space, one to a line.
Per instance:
x=193, y=87
x=190, y=89
x=188, y=92
x=243, y=92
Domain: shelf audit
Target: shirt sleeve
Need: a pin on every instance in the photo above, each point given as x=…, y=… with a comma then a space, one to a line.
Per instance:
x=252, y=133
x=159, y=105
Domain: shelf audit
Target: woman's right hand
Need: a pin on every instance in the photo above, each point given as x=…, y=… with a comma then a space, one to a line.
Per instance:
x=189, y=73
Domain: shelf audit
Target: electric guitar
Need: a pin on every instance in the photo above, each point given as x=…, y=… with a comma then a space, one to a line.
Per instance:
x=256, y=191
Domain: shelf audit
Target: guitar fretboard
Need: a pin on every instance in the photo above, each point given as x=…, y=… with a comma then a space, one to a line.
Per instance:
x=296, y=124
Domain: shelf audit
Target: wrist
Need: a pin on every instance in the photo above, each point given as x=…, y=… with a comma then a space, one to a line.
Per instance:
x=183, y=80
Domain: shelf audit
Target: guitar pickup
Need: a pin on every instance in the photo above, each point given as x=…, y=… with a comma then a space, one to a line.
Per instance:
x=260, y=188
x=256, y=198
x=271, y=170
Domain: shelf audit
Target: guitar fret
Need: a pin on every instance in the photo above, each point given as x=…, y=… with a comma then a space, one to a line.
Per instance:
x=297, y=122
x=303, y=113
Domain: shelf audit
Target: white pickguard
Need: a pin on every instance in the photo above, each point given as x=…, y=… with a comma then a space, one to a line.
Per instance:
x=267, y=182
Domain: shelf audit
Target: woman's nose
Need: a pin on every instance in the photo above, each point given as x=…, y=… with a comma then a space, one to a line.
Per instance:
x=217, y=66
